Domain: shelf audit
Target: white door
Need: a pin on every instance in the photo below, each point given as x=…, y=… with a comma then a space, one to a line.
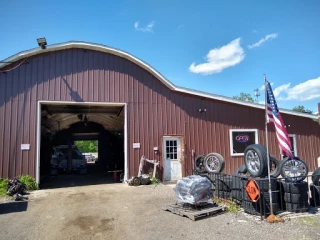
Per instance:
x=172, y=158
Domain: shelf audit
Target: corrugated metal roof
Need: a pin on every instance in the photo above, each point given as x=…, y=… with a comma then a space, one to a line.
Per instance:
x=154, y=72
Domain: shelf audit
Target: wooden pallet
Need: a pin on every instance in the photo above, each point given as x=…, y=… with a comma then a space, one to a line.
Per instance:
x=194, y=213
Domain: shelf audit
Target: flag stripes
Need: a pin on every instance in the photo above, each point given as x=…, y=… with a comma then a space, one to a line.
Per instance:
x=274, y=117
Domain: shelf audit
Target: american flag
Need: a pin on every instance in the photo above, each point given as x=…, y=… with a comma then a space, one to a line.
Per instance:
x=274, y=116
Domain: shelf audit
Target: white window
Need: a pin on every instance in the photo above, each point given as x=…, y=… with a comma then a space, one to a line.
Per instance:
x=293, y=144
x=240, y=139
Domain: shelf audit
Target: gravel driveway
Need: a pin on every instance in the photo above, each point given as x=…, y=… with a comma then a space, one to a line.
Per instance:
x=118, y=211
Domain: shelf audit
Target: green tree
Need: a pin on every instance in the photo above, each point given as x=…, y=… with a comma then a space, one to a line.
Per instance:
x=87, y=146
x=245, y=97
x=302, y=109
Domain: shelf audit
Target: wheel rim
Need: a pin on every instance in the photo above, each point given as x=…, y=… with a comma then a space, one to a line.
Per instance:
x=253, y=161
x=294, y=169
x=213, y=163
x=199, y=163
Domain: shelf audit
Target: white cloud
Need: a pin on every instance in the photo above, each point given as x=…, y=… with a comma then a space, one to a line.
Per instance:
x=262, y=40
x=280, y=89
x=220, y=58
x=304, y=91
x=147, y=28
x=262, y=87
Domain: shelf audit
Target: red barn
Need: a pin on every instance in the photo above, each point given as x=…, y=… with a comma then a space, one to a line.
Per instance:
x=78, y=90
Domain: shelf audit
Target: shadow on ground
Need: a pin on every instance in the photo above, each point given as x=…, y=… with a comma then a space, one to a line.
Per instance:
x=12, y=207
x=96, y=175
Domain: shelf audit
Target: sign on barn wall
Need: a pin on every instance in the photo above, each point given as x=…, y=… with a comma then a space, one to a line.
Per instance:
x=136, y=145
x=25, y=146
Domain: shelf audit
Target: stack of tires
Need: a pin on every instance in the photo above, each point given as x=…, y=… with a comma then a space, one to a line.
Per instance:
x=294, y=188
x=294, y=191
x=295, y=196
x=262, y=206
x=256, y=167
x=315, y=189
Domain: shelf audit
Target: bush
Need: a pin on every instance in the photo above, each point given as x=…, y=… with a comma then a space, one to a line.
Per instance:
x=3, y=186
x=29, y=181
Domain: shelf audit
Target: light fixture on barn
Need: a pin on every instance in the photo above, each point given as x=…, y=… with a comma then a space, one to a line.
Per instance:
x=42, y=42
x=257, y=93
x=202, y=110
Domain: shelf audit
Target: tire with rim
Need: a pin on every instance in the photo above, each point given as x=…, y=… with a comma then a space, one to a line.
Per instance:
x=316, y=177
x=199, y=164
x=255, y=159
x=274, y=166
x=293, y=170
x=214, y=163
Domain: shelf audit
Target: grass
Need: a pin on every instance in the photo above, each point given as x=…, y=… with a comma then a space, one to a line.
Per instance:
x=29, y=181
x=3, y=186
x=308, y=221
x=231, y=206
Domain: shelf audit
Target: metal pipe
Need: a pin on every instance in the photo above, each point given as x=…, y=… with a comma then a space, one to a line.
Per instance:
x=268, y=158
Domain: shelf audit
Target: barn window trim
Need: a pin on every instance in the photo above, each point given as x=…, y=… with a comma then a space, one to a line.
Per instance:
x=241, y=130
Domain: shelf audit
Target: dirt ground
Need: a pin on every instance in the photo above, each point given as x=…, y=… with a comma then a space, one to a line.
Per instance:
x=118, y=211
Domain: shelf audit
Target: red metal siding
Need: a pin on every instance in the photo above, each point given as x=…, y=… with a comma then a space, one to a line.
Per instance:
x=154, y=111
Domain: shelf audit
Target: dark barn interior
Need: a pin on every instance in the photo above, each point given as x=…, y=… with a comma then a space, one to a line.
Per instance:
x=65, y=124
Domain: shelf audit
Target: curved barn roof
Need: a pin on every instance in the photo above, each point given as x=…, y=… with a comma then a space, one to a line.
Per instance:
x=142, y=64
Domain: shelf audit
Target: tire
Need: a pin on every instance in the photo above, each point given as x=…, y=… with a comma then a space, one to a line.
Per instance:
x=316, y=177
x=238, y=182
x=264, y=197
x=222, y=194
x=263, y=184
x=315, y=191
x=214, y=163
x=136, y=181
x=274, y=166
x=224, y=183
x=297, y=207
x=199, y=164
x=295, y=198
x=255, y=159
x=254, y=208
x=241, y=170
x=314, y=202
x=293, y=170
x=296, y=188
x=237, y=194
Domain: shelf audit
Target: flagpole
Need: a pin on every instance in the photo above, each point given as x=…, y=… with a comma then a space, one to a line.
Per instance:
x=268, y=157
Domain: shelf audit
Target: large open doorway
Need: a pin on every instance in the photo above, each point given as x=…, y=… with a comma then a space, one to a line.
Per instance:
x=62, y=161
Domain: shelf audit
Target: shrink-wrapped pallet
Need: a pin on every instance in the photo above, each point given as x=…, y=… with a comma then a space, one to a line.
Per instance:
x=193, y=190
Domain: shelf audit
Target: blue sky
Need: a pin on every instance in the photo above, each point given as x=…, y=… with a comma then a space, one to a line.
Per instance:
x=221, y=47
